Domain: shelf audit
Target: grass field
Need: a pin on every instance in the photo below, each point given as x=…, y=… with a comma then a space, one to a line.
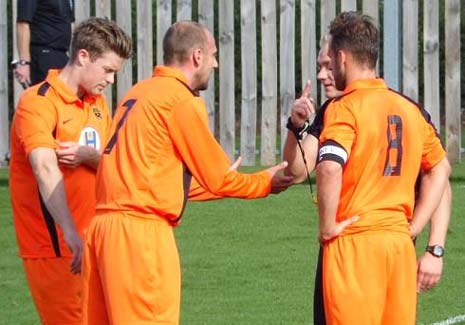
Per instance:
x=249, y=262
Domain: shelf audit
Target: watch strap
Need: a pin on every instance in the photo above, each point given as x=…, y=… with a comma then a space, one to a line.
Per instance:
x=24, y=62
x=298, y=132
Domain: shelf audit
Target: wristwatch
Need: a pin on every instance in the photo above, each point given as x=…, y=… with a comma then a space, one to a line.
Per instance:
x=435, y=250
x=298, y=132
x=23, y=62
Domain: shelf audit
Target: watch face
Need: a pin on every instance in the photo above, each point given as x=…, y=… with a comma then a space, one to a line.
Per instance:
x=436, y=250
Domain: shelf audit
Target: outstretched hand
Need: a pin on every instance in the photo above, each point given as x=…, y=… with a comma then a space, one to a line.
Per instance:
x=303, y=107
x=279, y=182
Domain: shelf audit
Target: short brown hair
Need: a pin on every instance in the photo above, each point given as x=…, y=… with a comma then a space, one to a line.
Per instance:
x=100, y=35
x=357, y=34
x=180, y=39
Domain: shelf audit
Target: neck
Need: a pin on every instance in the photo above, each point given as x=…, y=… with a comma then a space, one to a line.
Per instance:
x=187, y=71
x=70, y=76
x=357, y=72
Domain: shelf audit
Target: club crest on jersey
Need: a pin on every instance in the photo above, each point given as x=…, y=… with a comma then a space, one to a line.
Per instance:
x=90, y=137
x=97, y=112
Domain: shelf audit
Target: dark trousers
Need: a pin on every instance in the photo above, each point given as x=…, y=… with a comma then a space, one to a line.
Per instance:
x=43, y=59
x=318, y=302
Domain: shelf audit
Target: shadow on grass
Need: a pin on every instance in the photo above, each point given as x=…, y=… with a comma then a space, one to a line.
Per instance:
x=3, y=182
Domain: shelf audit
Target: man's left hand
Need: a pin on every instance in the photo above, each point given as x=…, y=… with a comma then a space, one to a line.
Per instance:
x=72, y=154
x=429, y=272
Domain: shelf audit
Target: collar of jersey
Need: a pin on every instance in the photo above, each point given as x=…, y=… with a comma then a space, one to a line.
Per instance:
x=164, y=71
x=365, y=84
x=63, y=90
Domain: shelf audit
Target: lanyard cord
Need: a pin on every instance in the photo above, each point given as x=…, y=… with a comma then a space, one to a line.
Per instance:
x=314, y=199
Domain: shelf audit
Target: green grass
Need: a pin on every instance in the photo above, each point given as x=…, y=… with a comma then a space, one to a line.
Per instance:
x=249, y=262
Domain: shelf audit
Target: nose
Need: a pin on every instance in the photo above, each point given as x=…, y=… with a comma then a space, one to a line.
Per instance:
x=322, y=74
x=110, y=78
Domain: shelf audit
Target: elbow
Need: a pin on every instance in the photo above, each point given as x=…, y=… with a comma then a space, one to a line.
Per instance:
x=443, y=168
x=448, y=168
x=328, y=168
x=44, y=172
x=297, y=177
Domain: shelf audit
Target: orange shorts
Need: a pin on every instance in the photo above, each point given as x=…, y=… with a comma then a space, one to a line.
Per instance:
x=370, y=278
x=55, y=290
x=131, y=271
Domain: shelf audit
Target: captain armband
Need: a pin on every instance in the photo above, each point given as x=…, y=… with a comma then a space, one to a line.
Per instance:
x=331, y=150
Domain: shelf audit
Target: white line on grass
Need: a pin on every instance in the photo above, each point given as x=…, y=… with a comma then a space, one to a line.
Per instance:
x=451, y=320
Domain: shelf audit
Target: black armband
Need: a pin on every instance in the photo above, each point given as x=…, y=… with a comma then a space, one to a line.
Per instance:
x=298, y=132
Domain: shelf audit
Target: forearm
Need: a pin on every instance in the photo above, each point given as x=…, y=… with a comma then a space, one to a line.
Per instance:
x=329, y=183
x=51, y=188
x=293, y=155
x=433, y=184
x=440, y=219
x=24, y=39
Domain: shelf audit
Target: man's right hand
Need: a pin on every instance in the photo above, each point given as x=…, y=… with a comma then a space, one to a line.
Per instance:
x=279, y=182
x=303, y=107
x=23, y=74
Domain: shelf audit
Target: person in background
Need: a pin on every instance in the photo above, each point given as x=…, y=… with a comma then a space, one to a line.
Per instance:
x=44, y=34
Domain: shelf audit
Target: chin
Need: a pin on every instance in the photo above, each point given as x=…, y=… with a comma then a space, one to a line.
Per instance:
x=330, y=94
x=97, y=91
x=202, y=87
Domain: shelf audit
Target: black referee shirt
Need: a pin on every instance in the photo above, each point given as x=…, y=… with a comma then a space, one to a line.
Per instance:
x=49, y=21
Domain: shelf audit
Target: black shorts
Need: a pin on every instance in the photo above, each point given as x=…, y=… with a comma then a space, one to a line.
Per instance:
x=43, y=59
x=318, y=302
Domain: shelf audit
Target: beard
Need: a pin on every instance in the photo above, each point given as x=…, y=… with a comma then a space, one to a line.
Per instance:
x=203, y=86
x=201, y=81
x=340, y=78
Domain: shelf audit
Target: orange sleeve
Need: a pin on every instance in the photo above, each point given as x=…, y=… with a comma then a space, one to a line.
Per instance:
x=433, y=152
x=206, y=159
x=36, y=121
x=339, y=126
x=198, y=193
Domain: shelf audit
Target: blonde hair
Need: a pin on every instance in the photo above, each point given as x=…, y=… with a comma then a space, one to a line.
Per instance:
x=100, y=35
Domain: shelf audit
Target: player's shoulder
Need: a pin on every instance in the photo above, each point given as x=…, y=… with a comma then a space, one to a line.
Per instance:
x=412, y=103
x=37, y=97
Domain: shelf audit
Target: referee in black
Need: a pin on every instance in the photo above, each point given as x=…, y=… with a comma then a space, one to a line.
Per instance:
x=44, y=30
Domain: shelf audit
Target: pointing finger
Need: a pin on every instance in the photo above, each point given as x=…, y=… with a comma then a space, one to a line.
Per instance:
x=307, y=89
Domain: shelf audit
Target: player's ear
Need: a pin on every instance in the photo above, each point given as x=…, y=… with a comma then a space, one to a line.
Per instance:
x=341, y=57
x=197, y=56
x=83, y=57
